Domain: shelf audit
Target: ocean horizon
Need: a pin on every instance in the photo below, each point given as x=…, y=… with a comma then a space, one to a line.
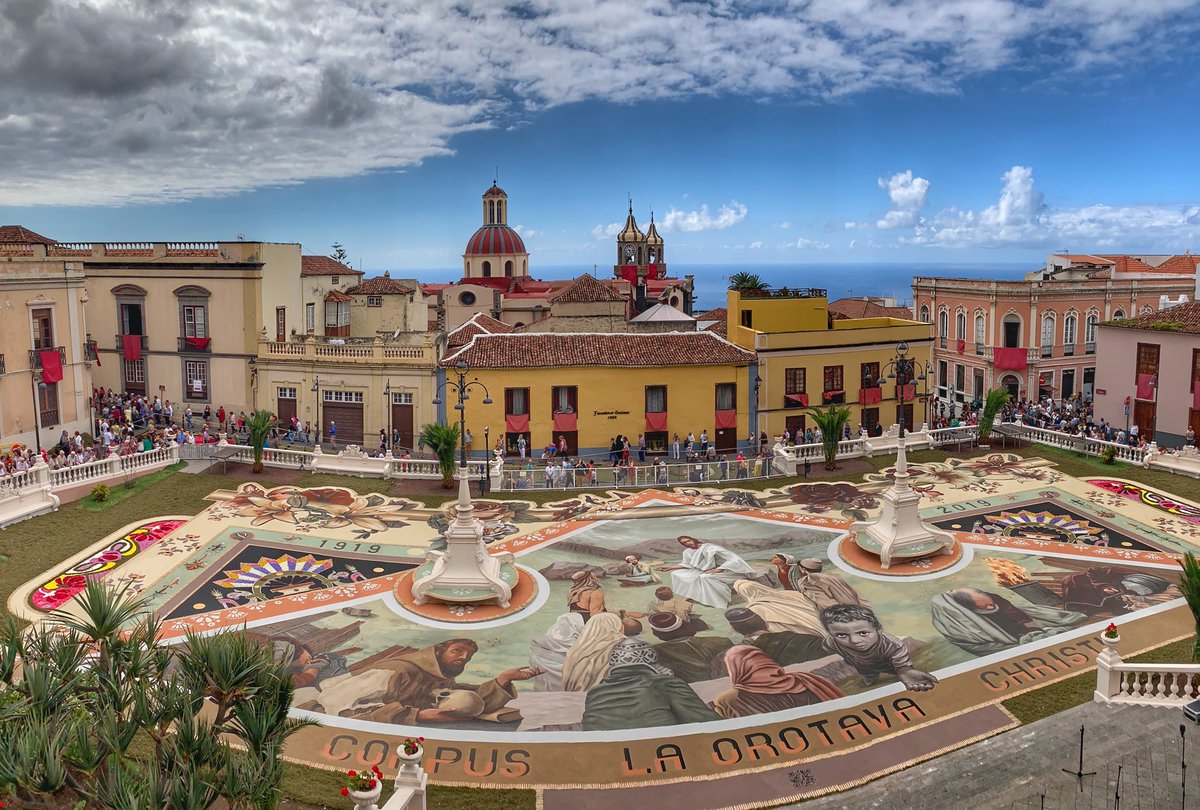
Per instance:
x=840, y=279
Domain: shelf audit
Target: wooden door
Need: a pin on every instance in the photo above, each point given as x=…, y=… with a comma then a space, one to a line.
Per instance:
x=1143, y=417
x=726, y=439
x=402, y=421
x=349, y=418
x=285, y=409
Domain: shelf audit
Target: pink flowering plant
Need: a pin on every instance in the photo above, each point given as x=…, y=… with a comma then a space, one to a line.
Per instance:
x=412, y=745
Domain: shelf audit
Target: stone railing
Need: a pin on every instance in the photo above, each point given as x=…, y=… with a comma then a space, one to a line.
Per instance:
x=348, y=461
x=788, y=460
x=646, y=475
x=1143, y=684
x=376, y=351
x=411, y=786
x=1080, y=444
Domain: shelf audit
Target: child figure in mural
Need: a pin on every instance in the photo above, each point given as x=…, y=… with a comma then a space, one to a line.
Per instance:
x=856, y=634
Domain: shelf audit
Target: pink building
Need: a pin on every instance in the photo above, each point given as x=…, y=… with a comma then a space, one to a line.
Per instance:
x=1037, y=337
x=1152, y=363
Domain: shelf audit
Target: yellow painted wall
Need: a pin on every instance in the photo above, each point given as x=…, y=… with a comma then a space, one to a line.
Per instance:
x=611, y=401
x=778, y=314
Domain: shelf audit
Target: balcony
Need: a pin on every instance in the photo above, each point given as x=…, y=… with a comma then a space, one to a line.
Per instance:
x=350, y=351
x=1069, y=350
x=833, y=398
x=796, y=399
x=35, y=357
x=1047, y=351
x=49, y=418
x=187, y=345
x=89, y=351
x=942, y=342
x=119, y=340
x=979, y=348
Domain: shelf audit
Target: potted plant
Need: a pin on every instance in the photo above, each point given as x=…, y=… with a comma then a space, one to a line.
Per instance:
x=259, y=427
x=996, y=399
x=1110, y=635
x=443, y=441
x=364, y=787
x=410, y=752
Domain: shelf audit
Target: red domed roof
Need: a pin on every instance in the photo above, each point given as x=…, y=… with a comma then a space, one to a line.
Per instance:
x=495, y=191
x=492, y=240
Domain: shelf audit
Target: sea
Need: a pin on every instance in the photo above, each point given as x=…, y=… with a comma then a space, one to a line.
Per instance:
x=840, y=280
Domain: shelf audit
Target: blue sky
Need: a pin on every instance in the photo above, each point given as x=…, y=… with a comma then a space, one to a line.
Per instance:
x=821, y=132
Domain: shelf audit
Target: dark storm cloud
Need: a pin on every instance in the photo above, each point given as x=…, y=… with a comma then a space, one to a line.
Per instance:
x=339, y=102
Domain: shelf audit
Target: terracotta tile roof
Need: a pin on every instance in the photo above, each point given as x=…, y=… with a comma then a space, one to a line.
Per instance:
x=720, y=315
x=18, y=235
x=623, y=349
x=325, y=266
x=1181, y=265
x=383, y=285
x=585, y=290
x=1182, y=318
x=337, y=295
x=845, y=308
x=479, y=324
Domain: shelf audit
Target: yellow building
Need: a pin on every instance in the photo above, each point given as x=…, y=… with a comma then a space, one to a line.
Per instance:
x=42, y=297
x=810, y=356
x=590, y=388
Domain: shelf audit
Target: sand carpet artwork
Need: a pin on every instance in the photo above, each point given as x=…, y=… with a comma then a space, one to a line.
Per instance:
x=700, y=647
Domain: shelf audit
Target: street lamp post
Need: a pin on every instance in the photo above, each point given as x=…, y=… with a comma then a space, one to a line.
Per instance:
x=35, y=382
x=487, y=455
x=317, y=389
x=387, y=404
x=904, y=370
x=462, y=386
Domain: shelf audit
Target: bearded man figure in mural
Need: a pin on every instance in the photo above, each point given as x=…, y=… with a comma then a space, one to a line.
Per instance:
x=707, y=573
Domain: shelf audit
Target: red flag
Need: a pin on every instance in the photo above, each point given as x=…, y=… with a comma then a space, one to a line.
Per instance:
x=131, y=347
x=52, y=370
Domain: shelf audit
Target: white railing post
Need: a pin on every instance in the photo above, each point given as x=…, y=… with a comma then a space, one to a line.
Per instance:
x=1108, y=680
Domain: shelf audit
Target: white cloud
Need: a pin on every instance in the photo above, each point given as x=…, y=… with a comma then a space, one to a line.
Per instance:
x=807, y=244
x=528, y=232
x=1021, y=217
x=701, y=220
x=110, y=101
x=756, y=245
x=908, y=198
x=785, y=225
x=607, y=231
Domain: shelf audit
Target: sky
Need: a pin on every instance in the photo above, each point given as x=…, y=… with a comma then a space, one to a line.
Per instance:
x=790, y=132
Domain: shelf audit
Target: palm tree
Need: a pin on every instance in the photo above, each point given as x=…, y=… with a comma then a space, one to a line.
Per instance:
x=1189, y=586
x=747, y=282
x=996, y=399
x=443, y=441
x=259, y=426
x=832, y=421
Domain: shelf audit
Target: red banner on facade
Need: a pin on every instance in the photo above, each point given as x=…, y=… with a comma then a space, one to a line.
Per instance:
x=1009, y=359
x=198, y=344
x=131, y=347
x=517, y=423
x=726, y=419
x=909, y=392
x=870, y=396
x=652, y=271
x=656, y=421
x=1145, y=386
x=51, y=366
x=629, y=273
x=962, y=346
x=799, y=399
x=566, y=421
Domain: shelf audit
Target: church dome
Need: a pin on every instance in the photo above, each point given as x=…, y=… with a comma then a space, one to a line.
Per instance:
x=495, y=191
x=495, y=240
x=652, y=237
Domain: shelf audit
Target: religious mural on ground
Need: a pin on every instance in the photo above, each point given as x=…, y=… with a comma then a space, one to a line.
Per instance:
x=678, y=633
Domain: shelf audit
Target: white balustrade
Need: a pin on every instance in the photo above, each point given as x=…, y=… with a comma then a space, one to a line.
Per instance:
x=1144, y=684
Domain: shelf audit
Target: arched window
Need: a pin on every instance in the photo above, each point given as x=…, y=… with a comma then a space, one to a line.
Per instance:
x=487, y=269
x=508, y=268
x=924, y=314
x=1048, y=336
x=943, y=327
x=1089, y=334
x=980, y=333
x=1069, y=324
x=1147, y=309
x=960, y=326
x=1118, y=314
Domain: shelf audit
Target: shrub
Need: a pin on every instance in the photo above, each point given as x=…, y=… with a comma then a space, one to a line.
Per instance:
x=1109, y=455
x=100, y=493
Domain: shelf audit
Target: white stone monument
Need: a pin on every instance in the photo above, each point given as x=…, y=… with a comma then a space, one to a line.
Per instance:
x=465, y=572
x=899, y=533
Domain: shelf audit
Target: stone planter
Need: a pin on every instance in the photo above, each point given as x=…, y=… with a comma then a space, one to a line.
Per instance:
x=410, y=764
x=366, y=799
x=1111, y=643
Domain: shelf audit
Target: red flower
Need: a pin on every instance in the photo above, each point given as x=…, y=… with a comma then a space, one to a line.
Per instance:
x=338, y=497
x=352, y=773
x=345, y=791
x=374, y=784
x=420, y=739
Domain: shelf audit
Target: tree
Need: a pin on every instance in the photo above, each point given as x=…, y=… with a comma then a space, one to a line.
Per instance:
x=76, y=695
x=443, y=441
x=996, y=399
x=259, y=427
x=747, y=282
x=339, y=254
x=1189, y=586
x=832, y=421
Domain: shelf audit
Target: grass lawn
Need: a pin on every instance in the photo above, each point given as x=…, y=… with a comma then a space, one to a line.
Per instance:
x=30, y=548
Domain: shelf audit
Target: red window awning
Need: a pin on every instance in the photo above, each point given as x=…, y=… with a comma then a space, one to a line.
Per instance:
x=799, y=399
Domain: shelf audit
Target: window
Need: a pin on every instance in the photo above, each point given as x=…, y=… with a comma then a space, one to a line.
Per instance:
x=334, y=279
x=280, y=324
x=310, y=318
x=43, y=331
x=943, y=327
x=487, y=269
x=564, y=399
x=402, y=398
x=508, y=268
x=656, y=399
x=980, y=333
x=1069, y=324
x=374, y=300
x=516, y=401
x=1118, y=314
x=747, y=318
x=353, y=397
x=1047, y=336
x=195, y=378
x=466, y=298
x=1089, y=334
x=195, y=321
x=135, y=371
x=337, y=318
x=833, y=378
x=924, y=313
x=1147, y=359
x=960, y=378
x=870, y=375
x=286, y=393
x=131, y=319
x=960, y=326
x=48, y=404
x=726, y=396
x=795, y=381
x=942, y=375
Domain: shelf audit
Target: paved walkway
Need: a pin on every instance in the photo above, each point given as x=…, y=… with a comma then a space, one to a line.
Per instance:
x=1013, y=770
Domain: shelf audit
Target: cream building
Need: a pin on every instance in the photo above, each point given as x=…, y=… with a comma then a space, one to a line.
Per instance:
x=42, y=297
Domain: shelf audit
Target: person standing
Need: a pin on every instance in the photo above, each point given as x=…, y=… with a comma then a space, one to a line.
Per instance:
x=642, y=447
x=522, y=445
x=333, y=433
x=675, y=446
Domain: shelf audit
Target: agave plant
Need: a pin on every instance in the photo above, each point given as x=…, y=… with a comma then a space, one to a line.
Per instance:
x=1189, y=586
x=832, y=421
x=259, y=425
x=996, y=399
x=443, y=441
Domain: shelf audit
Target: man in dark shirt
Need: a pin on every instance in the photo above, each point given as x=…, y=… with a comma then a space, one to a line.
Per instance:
x=784, y=647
